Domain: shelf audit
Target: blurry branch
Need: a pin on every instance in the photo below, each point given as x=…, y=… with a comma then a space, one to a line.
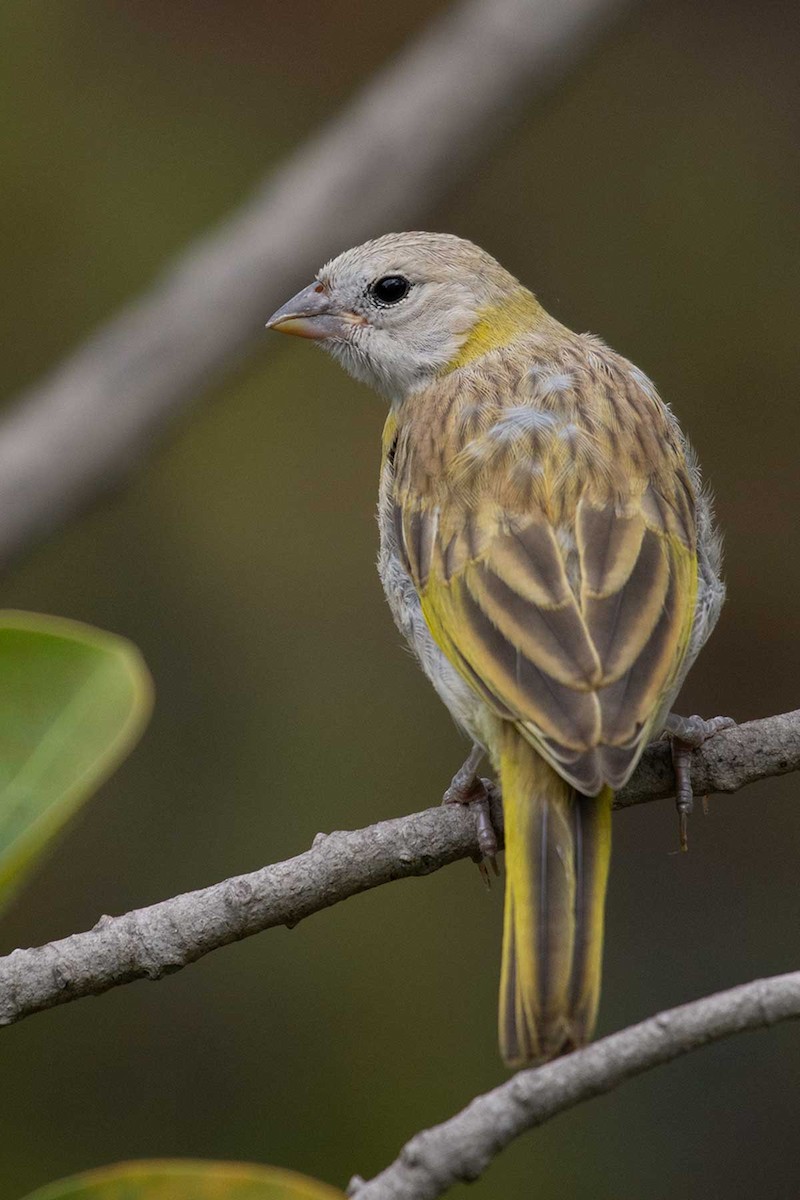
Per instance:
x=149, y=943
x=459, y=1150
x=409, y=136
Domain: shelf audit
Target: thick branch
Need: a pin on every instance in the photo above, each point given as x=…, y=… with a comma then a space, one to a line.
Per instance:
x=151, y=942
x=409, y=135
x=461, y=1149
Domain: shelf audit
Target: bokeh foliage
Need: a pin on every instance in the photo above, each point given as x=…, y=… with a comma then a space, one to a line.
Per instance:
x=187, y=1180
x=652, y=199
x=73, y=701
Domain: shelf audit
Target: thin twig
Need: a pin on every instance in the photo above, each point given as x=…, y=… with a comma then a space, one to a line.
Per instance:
x=406, y=138
x=460, y=1149
x=149, y=943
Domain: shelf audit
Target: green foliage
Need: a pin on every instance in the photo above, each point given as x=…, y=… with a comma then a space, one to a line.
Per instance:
x=187, y=1180
x=73, y=702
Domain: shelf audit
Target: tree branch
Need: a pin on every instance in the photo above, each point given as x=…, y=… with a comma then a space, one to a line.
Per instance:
x=149, y=943
x=460, y=1149
x=726, y=763
x=408, y=136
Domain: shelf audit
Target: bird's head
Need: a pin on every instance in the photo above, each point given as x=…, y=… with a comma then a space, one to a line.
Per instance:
x=402, y=309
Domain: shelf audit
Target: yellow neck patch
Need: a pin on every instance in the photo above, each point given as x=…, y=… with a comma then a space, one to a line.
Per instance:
x=498, y=325
x=389, y=434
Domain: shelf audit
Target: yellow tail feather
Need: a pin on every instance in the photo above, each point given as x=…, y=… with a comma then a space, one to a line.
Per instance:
x=558, y=845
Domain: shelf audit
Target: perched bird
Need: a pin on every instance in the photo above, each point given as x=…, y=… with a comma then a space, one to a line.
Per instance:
x=547, y=550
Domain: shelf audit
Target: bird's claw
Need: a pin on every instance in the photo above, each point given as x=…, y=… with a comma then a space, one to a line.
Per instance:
x=481, y=806
x=687, y=734
x=468, y=788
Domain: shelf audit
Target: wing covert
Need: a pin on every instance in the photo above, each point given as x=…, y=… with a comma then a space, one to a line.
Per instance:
x=581, y=664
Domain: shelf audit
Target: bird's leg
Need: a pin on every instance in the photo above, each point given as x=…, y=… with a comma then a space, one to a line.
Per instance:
x=687, y=734
x=466, y=787
x=465, y=783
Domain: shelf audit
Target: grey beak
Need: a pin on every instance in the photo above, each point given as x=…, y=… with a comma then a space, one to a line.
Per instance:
x=310, y=314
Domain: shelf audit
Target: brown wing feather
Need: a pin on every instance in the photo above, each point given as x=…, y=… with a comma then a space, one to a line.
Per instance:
x=583, y=676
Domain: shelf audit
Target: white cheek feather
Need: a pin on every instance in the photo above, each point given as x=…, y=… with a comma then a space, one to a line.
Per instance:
x=355, y=361
x=401, y=347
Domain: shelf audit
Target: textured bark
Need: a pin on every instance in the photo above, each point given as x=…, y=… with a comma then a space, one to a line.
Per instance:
x=726, y=763
x=151, y=942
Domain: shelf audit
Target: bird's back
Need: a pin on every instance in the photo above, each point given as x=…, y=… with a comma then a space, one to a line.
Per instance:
x=545, y=510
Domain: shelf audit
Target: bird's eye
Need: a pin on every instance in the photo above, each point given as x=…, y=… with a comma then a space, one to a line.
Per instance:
x=390, y=289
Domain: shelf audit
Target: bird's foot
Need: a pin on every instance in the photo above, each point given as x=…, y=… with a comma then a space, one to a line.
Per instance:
x=687, y=734
x=467, y=787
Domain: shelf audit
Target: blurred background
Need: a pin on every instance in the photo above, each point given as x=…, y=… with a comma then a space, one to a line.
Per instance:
x=651, y=198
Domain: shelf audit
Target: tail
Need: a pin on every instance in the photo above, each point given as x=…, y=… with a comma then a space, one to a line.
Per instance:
x=558, y=845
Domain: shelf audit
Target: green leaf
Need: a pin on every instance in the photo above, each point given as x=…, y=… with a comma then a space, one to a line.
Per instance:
x=187, y=1180
x=73, y=702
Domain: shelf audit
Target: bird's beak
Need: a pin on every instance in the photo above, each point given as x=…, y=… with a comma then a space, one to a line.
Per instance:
x=310, y=314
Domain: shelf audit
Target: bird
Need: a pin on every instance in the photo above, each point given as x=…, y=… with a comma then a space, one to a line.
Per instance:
x=549, y=553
